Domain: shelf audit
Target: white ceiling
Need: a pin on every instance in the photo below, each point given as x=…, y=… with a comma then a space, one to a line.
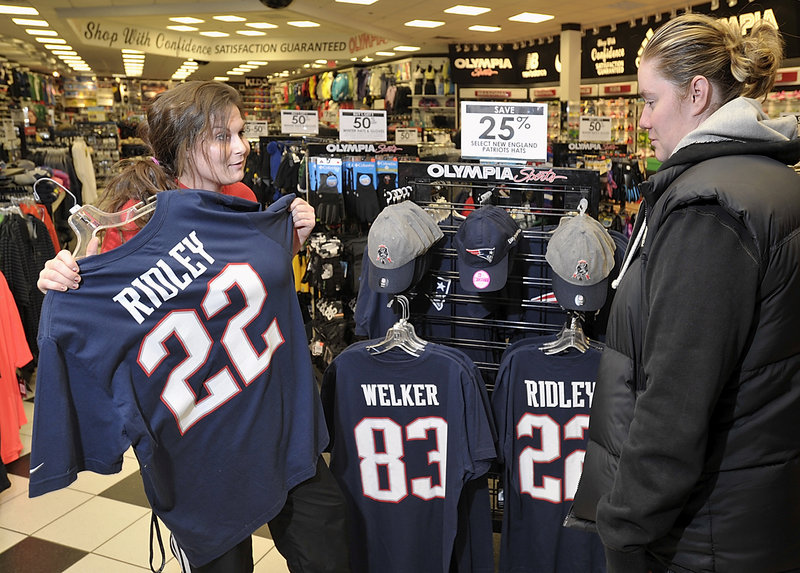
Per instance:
x=384, y=18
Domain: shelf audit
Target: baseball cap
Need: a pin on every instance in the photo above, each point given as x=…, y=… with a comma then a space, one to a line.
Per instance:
x=581, y=254
x=397, y=239
x=483, y=243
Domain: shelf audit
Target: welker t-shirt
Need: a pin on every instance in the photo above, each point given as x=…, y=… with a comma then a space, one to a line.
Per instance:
x=186, y=342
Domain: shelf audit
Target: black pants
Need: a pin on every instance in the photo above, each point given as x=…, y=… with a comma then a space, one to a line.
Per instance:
x=310, y=531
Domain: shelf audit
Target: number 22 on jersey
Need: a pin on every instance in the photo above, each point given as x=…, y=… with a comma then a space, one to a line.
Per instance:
x=190, y=329
x=549, y=451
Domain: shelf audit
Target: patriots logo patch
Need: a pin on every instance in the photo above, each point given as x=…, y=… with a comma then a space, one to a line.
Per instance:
x=383, y=255
x=487, y=254
x=581, y=271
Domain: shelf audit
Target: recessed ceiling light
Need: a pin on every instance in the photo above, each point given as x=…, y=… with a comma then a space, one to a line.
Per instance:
x=467, y=10
x=18, y=10
x=129, y=51
x=187, y=20
x=303, y=24
x=220, y=78
x=251, y=33
x=214, y=34
x=531, y=18
x=70, y=58
x=182, y=28
x=232, y=73
x=49, y=40
x=363, y=2
x=406, y=48
x=65, y=52
x=40, y=32
x=58, y=46
x=424, y=24
x=247, y=67
x=261, y=25
x=27, y=22
x=256, y=63
x=229, y=18
x=367, y=59
x=384, y=53
x=484, y=28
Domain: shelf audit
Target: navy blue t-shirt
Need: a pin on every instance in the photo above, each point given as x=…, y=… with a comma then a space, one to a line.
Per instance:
x=541, y=405
x=186, y=342
x=407, y=434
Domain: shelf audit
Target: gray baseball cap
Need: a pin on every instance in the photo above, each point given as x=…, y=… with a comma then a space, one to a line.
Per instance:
x=400, y=234
x=581, y=254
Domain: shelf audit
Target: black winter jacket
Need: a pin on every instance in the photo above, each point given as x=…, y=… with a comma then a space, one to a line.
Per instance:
x=693, y=459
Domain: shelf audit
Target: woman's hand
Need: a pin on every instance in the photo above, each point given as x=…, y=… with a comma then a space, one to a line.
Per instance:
x=62, y=272
x=304, y=220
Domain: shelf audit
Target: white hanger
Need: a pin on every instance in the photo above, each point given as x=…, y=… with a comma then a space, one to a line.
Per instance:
x=570, y=336
x=401, y=334
x=87, y=220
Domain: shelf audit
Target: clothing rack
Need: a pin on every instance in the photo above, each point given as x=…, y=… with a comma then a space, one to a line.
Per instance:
x=484, y=324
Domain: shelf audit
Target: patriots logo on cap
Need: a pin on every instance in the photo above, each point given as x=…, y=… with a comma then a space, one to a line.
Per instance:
x=383, y=255
x=487, y=254
x=581, y=271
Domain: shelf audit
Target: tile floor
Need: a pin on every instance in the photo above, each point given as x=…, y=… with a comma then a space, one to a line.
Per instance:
x=99, y=524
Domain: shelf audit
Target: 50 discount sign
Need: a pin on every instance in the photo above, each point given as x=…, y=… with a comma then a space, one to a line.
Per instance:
x=299, y=121
x=503, y=130
x=362, y=125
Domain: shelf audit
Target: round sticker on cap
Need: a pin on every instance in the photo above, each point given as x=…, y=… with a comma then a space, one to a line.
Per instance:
x=481, y=279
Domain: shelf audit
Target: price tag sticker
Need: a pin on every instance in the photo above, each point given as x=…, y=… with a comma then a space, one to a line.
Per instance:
x=504, y=130
x=406, y=135
x=362, y=125
x=299, y=121
x=593, y=128
x=255, y=129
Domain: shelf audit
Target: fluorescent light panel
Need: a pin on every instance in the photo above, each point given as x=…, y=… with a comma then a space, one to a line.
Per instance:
x=303, y=24
x=214, y=34
x=424, y=24
x=28, y=22
x=261, y=25
x=187, y=20
x=182, y=28
x=362, y=2
x=229, y=18
x=40, y=32
x=467, y=10
x=480, y=28
x=18, y=10
x=251, y=33
x=531, y=18
x=406, y=48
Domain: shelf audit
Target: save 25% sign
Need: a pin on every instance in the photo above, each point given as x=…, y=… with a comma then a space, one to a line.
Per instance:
x=502, y=130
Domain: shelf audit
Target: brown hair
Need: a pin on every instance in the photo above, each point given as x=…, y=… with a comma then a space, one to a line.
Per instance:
x=177, y=120
x=735, y=64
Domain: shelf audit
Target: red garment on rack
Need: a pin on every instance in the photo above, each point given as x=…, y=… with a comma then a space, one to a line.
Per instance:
x=14, y=353
x=40, y=212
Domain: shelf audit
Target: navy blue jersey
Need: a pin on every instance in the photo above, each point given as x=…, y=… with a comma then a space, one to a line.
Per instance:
x=186, y=342
x=407, y=434
x=541, y=404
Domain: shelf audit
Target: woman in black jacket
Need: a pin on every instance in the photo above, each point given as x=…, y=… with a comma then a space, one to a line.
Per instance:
x=693, y=462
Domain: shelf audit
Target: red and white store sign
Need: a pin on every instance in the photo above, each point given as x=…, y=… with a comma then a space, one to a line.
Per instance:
x=620, y=89
x=493, y=93
x=788, y=77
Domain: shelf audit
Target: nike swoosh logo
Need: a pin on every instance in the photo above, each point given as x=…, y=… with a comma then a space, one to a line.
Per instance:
x=37, y=467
